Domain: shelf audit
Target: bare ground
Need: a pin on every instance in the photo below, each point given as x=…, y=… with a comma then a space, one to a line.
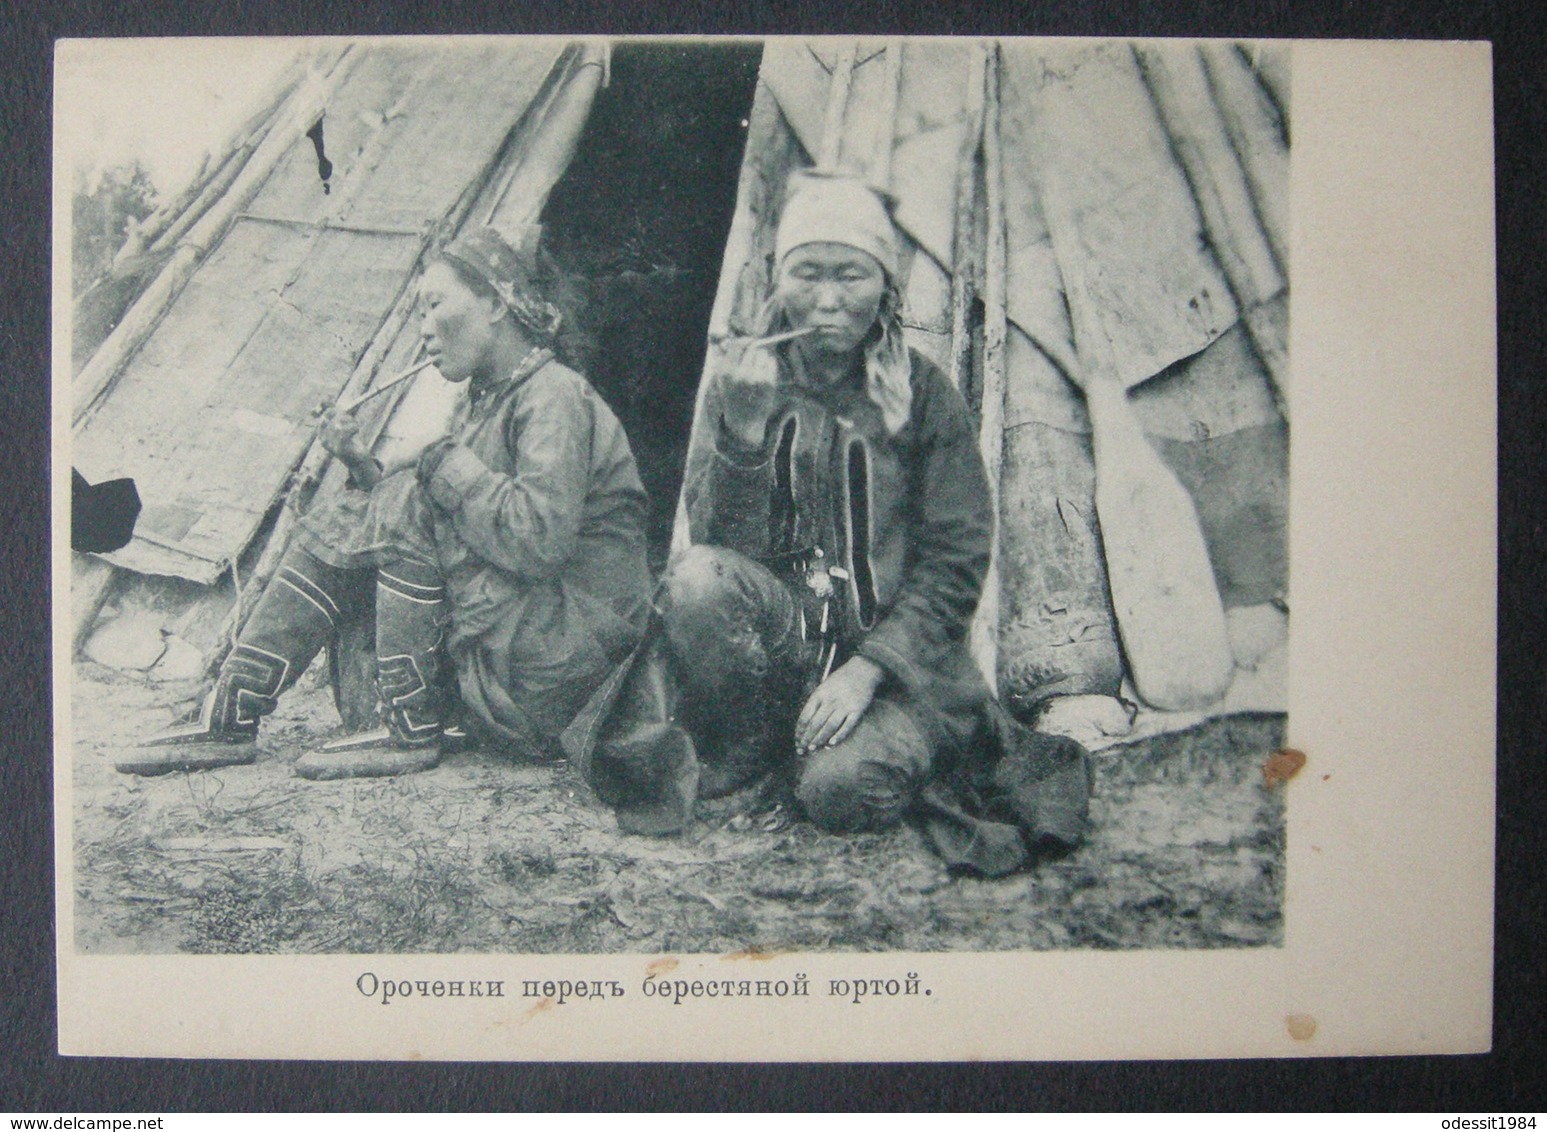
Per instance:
x=483, y=854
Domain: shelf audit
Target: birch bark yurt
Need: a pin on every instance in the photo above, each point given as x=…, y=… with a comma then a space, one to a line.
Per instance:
x=1087, y=224
x=1092, y=231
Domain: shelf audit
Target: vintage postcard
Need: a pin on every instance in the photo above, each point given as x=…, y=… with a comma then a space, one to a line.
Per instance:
x=773, y=549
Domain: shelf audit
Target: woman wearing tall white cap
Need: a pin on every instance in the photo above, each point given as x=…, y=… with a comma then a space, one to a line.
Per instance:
x=841, y=528
x=841, y=524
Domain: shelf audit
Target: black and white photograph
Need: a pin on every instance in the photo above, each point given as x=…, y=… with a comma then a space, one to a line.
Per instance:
x=699, y=500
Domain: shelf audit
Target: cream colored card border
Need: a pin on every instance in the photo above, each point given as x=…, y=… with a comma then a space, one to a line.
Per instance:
x=1388, y=936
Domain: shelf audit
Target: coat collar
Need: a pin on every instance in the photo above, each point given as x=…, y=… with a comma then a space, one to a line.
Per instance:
x=536, y=358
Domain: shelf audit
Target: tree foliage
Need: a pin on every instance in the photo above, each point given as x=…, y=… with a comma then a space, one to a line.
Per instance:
x=101, y=214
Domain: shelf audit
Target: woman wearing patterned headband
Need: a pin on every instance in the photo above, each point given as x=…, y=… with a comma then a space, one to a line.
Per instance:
x=514, y=549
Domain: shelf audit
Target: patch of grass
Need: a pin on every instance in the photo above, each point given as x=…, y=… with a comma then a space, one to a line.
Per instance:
x=243, y=919
x=431, y=905
x=481, y=855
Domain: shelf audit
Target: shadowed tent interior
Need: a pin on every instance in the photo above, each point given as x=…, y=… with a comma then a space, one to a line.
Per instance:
x=1160, y=170
x=636, y=228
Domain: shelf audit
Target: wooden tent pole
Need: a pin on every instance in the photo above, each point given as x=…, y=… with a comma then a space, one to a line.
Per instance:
x=206, y=192
x=242, y=141
x=764, y=120
x=837, y=106
x=98, y=375
x=92, y=581
x=1199, y=136
x=225, y=176
x=144, y=234
x=1269, y=62
x=1257, y=136
x=963, y=252
x=984, y=637
x=886, y=138
x=548, y=145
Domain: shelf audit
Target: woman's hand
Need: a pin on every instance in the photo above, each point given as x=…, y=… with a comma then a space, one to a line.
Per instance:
x=748, y=378
x=838, y=704
x=340, y=435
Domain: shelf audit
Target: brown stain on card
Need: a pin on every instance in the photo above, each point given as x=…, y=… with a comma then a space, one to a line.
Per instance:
x=662, y=966
x=545, y=1004
x=1301, y=1027
x=1282, y=765
x=756, y=954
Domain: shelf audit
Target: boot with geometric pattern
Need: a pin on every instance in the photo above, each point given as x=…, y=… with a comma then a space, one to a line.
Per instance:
x=297, y=615
x=411, y=618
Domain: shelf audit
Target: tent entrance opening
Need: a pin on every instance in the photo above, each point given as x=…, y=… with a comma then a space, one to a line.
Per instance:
x=637, y=227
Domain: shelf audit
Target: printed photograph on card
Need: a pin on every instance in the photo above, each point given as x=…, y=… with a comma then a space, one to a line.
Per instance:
x=585, y=534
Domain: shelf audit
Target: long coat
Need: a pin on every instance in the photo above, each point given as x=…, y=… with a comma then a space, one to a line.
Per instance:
x=907, y=517
x=535, y=517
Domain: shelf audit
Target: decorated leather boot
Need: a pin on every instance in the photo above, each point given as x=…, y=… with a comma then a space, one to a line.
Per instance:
x=296, y=617
x=411, y=618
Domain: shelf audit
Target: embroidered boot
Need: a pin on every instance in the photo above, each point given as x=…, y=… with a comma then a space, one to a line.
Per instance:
x=297, y=615
x=411, y=618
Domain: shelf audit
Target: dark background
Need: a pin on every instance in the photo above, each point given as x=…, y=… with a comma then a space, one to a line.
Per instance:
x=1511, y=1079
